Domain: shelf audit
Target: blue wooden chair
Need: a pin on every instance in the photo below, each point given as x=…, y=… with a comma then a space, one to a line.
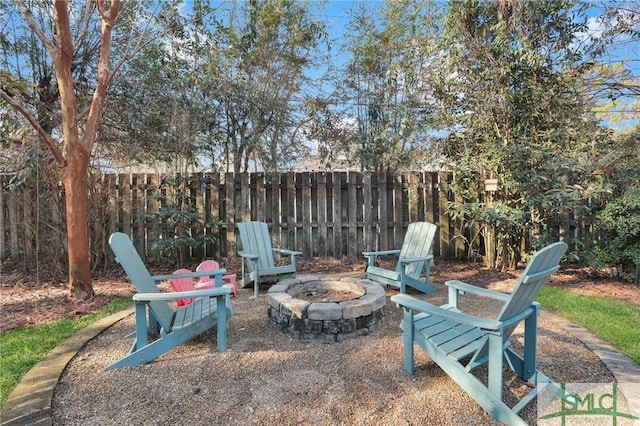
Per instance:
x=413, y=258
x=460, y=343
x=258, y=261
x=154, y=316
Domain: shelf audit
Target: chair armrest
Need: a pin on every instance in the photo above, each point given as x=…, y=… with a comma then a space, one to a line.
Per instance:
x=468, y=288
x=287, y=252
x=414, y=304
x=213, y=273
x=416, y=259
x=380, y=253
x=212, y=292
x=246, y=255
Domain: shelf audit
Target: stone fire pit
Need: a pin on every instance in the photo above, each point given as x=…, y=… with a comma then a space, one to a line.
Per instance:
x=326, y=309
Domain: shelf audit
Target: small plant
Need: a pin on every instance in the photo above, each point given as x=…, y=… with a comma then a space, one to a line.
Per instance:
x=179, y=227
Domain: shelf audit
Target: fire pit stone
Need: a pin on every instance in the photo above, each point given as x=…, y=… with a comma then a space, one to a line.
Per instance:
x=326, y=308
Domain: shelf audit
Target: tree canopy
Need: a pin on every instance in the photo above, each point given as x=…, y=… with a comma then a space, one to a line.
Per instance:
x=527, y=93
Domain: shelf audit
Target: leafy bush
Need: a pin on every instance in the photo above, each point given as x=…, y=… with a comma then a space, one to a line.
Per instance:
x=620, y=219
x=178, y=224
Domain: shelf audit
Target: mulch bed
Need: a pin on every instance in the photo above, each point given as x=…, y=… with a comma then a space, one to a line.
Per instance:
x=34, y=298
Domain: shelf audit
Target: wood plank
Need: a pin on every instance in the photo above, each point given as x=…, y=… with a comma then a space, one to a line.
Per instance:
x=459, y=233
x=151, y=191
x=444, y=220
x=275, y=215
x=307, y=222
x=431, y=205
x=313, y=208
x=298, y=178
x=398, y=219
x=244, y=212
x=28, y=226
x=260, y=198
x=211, y=214
x=383, y=239
x=137, y=204
x=230, y=209
x=336, y=190
x=110, y=187
x=413, y=197
x=197, y=189
x=124, y=192
x=352, y=214
x=368, y=229
x=288, y=238
x=322, y=214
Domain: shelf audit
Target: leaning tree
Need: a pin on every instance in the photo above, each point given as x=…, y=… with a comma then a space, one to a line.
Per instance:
x=79, y=123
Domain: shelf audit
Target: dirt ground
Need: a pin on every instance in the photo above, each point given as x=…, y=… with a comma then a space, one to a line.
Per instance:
x=28, y=299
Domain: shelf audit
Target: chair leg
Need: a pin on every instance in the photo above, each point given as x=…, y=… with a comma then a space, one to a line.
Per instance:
x=407, y=341
x=221, y=323
x=256, y=286
x=530, y=345
x=495, y=364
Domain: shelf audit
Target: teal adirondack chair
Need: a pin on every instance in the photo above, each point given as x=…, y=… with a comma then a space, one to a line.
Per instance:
x=258, y=261
x=154, y=316
x=413, y=258
x=460, y=343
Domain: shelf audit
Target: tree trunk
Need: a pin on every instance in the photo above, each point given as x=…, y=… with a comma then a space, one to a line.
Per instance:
x=76, y=162
x=74, y=179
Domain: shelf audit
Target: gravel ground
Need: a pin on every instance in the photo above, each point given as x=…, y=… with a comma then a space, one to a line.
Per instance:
x=266, y=377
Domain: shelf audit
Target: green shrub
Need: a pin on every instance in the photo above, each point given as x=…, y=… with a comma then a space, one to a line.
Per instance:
x=620, y=220
x=178, y=224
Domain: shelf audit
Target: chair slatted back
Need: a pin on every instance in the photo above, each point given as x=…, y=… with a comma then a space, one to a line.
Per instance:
x=255, y=239
x=544, y=263
x=128, y=257
x=417, y=243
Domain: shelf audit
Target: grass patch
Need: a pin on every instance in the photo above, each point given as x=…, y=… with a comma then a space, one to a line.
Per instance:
x=613, y=320
x=22, y=348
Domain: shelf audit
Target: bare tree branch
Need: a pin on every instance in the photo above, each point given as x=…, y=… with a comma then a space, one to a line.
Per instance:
x=139, y=45
x=86, y=18
x=104, y=76
x=28, y=16
x=51, y=143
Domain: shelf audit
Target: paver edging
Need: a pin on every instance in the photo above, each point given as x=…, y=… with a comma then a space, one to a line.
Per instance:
x=30, y=401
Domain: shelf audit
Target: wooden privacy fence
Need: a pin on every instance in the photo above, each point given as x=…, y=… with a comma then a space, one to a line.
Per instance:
x=322, y=214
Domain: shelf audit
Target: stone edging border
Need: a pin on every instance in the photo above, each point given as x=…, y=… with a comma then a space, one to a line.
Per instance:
x=624, y=369
x=30, y=402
